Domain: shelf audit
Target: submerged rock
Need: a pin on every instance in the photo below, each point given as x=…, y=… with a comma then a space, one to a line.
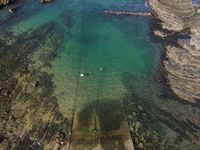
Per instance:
x=166, y=120
x=182, y=57
x=29, y=112
x=45, y=1
x=12, y=10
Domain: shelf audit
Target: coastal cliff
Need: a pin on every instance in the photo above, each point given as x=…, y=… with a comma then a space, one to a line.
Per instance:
x=179, y=27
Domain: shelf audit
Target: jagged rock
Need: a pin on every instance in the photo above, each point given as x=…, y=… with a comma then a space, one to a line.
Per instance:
x=6, y=2
x=182, y=59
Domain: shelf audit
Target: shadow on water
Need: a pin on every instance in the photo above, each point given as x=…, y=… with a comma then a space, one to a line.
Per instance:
x=156, y=122
x=109, y=113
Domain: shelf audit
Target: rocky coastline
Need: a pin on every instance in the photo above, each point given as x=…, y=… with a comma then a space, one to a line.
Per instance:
x=179, y=22
x=29, y=113
x=7, y=2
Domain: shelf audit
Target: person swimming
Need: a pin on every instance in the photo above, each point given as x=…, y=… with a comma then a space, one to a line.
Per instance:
x=84, y=74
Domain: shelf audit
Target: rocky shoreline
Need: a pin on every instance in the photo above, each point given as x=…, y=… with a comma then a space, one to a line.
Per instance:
x=7, y=2
x=29, y=113
x=179, y=22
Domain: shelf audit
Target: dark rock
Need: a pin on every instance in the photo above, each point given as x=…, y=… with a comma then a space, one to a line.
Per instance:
x=37, y=83
x=1, y=138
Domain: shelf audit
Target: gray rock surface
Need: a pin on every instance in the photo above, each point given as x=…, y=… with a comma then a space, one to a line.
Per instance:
x=182, y=62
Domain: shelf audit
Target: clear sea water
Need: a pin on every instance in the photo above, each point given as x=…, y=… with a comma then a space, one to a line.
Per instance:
x=108, y=70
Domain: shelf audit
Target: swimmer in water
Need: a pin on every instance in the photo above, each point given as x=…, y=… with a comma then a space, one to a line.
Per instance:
x=84, y=74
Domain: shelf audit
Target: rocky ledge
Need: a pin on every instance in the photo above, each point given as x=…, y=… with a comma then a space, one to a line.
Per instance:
x=7, y=2
x=179, y=26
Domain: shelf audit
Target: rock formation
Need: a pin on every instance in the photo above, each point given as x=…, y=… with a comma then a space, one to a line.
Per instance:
x=6, y=2
x=179, y=20
x=29, y=112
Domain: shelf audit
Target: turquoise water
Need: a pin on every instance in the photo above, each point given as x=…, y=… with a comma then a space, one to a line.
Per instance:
x=107, y=44
x=103, y=48
x=108, y=76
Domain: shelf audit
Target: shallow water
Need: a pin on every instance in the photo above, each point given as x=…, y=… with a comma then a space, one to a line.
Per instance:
x=103, y=48
x=108, y=77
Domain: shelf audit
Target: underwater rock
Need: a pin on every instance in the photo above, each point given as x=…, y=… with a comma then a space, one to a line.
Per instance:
x=12, y=10
x=163, y=119
x=66, y=19
x=37, y=83
x=1, y=138
x=45, y=1
x=182, y=54
x=26, y=110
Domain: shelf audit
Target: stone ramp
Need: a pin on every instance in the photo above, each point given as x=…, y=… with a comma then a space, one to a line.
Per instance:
x=93, y=139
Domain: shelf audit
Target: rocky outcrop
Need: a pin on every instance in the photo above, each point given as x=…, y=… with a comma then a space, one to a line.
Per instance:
x=6, y=2
x=173, y=15
x=179, y=20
